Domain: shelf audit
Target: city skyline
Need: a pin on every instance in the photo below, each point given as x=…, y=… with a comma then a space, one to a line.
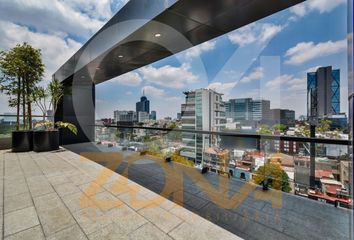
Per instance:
x=255, y=114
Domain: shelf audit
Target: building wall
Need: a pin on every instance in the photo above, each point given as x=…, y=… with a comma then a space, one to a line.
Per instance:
x=203, y=110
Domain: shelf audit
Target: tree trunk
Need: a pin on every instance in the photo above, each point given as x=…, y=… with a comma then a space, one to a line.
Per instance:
x=18, y=103
x=24, y=103
x=29, y=107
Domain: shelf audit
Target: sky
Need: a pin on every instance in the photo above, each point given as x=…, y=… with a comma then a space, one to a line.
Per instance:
x=267, y=59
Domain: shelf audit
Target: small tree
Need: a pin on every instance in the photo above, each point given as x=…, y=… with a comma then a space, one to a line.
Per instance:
x=276, y=177
x=55, y=91
x=280, y=127
x=324, y=126
x=22, y=69
x=40, y=96
x=264, y=129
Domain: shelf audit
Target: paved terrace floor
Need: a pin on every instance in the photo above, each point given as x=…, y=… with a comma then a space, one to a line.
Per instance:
x=254, y=214
x=59, y=195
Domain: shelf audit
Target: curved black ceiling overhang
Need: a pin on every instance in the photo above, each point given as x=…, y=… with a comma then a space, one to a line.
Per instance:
x=145, y=31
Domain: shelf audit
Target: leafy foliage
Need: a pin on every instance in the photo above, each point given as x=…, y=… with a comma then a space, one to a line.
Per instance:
x=22, y=69
x=264, y=129
x=324, y=126
x=51, y=126
x=55, y=91
x=280, y=127
x=276, y=177
x=67, y=125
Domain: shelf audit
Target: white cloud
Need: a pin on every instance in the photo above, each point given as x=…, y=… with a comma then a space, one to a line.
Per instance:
x=312, y=69
x=168, y=76
x=321, y=6
x=198, y=50
x=287, y=82
x=154, y=92
x=128, y=79
x=306, y=51
x=224, y=88
x=51, y=16
x=55, y=49
x=94, y=9
x=257, y=74
x=252, y=93
x=254, y=33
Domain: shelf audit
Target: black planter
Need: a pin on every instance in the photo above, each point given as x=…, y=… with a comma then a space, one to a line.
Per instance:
x=22, y=141
x=44, y=141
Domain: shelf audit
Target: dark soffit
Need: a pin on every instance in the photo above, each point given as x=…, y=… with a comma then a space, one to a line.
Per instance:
x=181, y=23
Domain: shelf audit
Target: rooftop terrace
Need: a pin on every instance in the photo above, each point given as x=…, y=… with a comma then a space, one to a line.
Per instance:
x=60, y=195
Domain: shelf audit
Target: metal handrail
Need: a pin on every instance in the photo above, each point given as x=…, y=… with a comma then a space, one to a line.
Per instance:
x=21, y=115
x=242, y=135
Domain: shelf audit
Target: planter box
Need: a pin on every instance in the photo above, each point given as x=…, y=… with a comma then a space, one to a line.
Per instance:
x=22, y=141
x=44, y=141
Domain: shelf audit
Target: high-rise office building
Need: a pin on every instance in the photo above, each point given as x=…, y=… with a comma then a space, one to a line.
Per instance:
x=247, y=109
x=283, y=116
x=260, y=110
x=203, y=110
x=125, y=116
x=239, y=109
x=143, y=117
x=323, y=93
x=153, y=115
x=143, y=105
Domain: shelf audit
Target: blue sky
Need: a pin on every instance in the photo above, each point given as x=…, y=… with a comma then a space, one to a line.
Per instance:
x=267, y=59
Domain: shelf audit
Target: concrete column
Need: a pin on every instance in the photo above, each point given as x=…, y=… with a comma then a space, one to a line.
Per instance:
x=78, y=108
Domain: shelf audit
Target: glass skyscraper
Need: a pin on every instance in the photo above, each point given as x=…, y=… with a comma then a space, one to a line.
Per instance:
x=323, y=93
x=143, y=105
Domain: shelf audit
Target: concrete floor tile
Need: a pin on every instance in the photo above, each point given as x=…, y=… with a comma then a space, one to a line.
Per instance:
x=110, y=232
x=196, y=231
x=66, y=189
x=15, y=187
x=71, y=233
x=78, y=201
x=20, y=220
x=91, y=219
x=134, y=200
x=48, y=201
x=106, y=201
x=91, y=188
x=16, y=202
x=163, y=219
x=55, y=219
x=126, y=218
x=39, y=185
x=149, y=232
x=34, y=233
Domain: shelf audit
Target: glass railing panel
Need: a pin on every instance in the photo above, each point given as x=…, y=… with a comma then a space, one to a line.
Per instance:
x=259, y=179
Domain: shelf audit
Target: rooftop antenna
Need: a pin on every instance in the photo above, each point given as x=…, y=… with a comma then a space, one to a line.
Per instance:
x=143, y=92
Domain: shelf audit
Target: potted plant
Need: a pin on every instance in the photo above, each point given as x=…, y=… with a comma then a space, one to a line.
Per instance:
x=22, y=69
x=46, y=132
